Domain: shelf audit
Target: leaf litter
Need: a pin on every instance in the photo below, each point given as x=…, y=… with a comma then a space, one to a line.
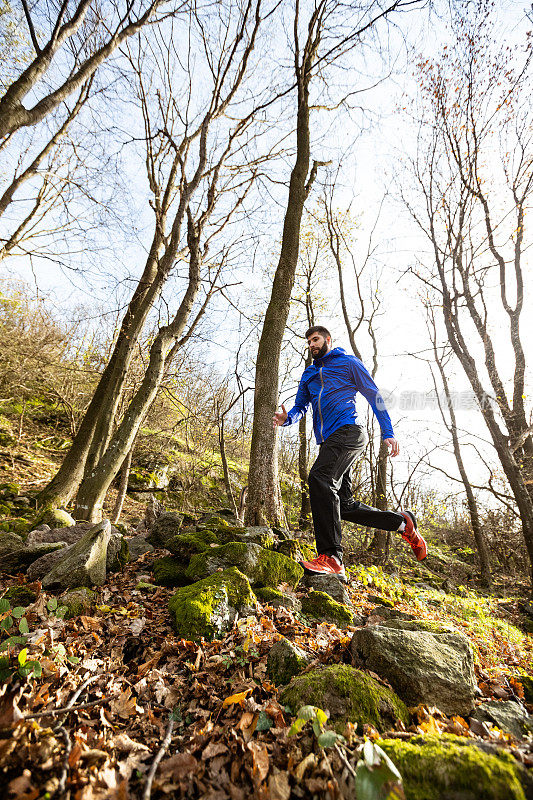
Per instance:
x=124, y=706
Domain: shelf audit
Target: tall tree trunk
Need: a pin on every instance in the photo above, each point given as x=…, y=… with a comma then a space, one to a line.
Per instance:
x=92, y=492
x=264, y=497
x=304, y=520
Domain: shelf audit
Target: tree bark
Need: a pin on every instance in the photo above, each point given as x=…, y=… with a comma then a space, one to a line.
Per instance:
x=92, y=492
x=122, y=487
x=264, y=497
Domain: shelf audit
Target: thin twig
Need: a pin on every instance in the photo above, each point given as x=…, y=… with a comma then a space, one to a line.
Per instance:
x=68, y=747
x=54, y=712
x=160, y=753
x=344, y=759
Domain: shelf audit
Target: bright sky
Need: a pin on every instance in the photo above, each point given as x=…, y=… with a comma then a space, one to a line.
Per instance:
x=372, y=145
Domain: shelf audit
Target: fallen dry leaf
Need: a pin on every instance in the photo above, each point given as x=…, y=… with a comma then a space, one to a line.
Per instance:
x=213, y=749
x=124, y=704
x=278, y=785
x=240, y=697
x=261, y=762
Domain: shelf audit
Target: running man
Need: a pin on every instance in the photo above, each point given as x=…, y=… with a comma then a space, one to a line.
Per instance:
x=330, y=384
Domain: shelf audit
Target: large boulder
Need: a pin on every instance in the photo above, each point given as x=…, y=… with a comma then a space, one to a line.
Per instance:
x=53, y=553
x=285, y=660
x=263, y=567
x=83, y=563
x=446, y=767
x=322, y=607
x=69, y=535
x=209, y=607
x=348, y=694
x=165, y=526
x=423, y=662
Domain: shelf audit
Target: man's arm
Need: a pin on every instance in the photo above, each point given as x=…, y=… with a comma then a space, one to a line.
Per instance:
x=301, y=404
x=365, y=384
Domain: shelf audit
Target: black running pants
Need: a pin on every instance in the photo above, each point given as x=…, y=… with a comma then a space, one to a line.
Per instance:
x=330, y=491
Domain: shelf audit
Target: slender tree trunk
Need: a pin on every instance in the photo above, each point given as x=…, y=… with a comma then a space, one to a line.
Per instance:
x=225, y=469
x=92, y=492
x=122, y=487
x=264, y=499
x=304, y=520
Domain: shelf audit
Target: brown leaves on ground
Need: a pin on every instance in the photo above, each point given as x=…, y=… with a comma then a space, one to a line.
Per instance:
x=229, y=740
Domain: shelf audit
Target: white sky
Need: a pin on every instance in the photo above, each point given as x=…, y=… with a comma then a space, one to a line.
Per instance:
x=372, y=162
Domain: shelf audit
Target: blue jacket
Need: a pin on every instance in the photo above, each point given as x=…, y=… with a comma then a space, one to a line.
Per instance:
x=330, y=384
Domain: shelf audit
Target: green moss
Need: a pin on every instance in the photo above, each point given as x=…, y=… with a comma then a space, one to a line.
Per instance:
x=186, y=545
x=170, y=571
x=441, y=767
x=266, y=593
x=322, y=607
x=207, y=607
x=77, y=601
x=527, y=683
x=144, y=586
x=263, y=567
x=430, y=625
x=285, y=660
x=20, y=596
x=350, y=696
x=55, y=517
x=8, y=490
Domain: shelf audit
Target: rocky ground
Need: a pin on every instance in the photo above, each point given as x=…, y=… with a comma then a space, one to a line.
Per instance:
x=193, y=659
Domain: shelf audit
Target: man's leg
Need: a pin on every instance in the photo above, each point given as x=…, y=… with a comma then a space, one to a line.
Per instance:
x=403, y=521
x=336, y=457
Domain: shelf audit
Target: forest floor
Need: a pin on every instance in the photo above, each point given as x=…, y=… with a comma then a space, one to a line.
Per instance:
x=120, y=707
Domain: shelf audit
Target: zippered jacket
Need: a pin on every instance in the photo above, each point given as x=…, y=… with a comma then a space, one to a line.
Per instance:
x=330, y=384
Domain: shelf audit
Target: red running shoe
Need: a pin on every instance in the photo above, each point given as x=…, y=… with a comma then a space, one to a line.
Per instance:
x=325, y=565
x=411, y=535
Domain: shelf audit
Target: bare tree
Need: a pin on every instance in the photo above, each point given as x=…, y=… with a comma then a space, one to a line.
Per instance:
x=441, y=361
x=476, y=245
x=185, y=157
x=52, y=28
x=331, y=30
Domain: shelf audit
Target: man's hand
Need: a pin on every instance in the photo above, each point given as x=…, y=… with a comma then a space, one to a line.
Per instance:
x=279, y=417
x=394, y=447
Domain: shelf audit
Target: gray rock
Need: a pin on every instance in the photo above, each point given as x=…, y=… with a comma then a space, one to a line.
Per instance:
x=422, y=662
x=138, y=546
x=83, y=563
x=390, y=613
x=284, y=661
x=165, y=526
x=70, y=535
x=15, y=555
x=507, y=715
x=10, y=546
x=117, y=552
x=329, y=584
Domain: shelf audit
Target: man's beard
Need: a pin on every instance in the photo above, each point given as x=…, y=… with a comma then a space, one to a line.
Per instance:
x=322, y=352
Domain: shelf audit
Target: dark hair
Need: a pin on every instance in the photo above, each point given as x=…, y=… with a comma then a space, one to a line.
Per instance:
x=317, y=329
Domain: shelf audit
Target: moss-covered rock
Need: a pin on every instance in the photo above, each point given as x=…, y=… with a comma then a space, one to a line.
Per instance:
x=55, y=518
x=8, y=490
x=77, y=601
x=208, y=607
x=423, y=662
x=262, y=567
x=16, y=556
x=83, y=563
x=20, y=596
x=164, y=528
x=186, y=545
x=444, y=767
x=348, y=694
x=170, y=571
x=284, y=661
x=330, y=584
x=277, y=599
x=321, y=606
